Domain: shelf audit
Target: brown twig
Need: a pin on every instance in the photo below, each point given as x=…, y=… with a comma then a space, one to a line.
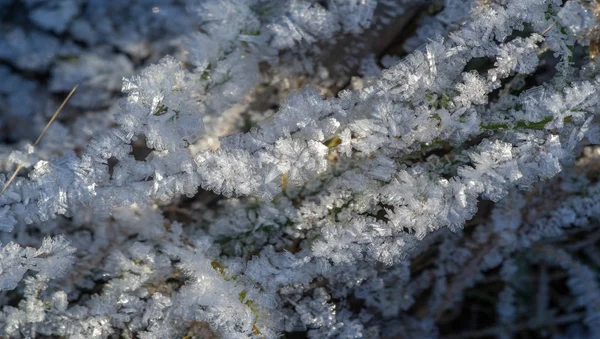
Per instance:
x=16, y=172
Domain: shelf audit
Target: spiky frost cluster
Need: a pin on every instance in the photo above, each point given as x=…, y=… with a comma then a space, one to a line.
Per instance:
x=251, y=192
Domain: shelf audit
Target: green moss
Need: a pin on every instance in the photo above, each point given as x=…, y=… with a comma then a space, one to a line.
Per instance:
x=206, y=73
x=250, y=32
x=521, y=124
x=218, y=267
x=331, y=143
x=162, y=109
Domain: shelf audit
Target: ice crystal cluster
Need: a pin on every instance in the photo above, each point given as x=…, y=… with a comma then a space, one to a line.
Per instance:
x=301, y=168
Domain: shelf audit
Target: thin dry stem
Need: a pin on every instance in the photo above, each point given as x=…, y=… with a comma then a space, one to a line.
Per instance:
x=55, y=114
x=16, y=172
x=549, y=28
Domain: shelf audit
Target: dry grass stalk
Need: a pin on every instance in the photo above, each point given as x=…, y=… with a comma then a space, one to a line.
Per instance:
x=16, y=172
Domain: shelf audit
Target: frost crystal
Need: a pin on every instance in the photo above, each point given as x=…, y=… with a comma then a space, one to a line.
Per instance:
x=321, y=167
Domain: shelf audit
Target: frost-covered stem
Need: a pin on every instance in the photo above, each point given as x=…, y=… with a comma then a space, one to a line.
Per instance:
x=457, y=285
x=582, y=282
